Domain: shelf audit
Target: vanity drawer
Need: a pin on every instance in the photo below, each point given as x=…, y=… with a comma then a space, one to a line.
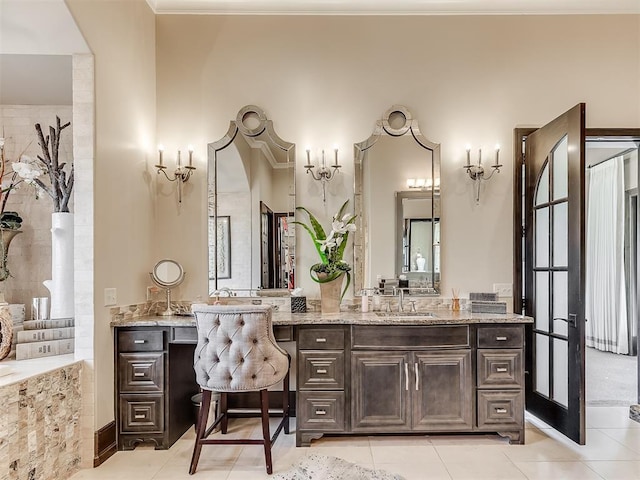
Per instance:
x=140, y=340
x=321, y=338
x=320, y=411
x=321, y=369
x=141, y=413
x=500, y=368
x=283, y=333
x=410, y=336
x=139, y=372
x=501, y=337
x=500, y=409
x=184, y=335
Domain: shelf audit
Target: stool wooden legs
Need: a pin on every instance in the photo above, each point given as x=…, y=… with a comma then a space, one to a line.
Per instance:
x=266, y=436
x=201, y=427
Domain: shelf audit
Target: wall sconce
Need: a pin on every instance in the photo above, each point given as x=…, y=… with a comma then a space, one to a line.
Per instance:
x=476, y=171
x=324, y=174
x=181, y=174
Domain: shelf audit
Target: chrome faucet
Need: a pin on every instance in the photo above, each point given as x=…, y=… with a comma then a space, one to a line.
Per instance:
x=400, y=293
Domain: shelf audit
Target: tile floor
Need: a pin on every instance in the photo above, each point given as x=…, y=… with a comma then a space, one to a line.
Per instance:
x=612, y=452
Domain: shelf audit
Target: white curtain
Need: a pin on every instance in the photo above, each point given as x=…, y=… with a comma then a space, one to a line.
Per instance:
x=606, y=306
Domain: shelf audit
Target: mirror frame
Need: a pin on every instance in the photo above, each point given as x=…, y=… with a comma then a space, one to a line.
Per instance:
x=239, y=127
x=386, y=126
x=162, y=283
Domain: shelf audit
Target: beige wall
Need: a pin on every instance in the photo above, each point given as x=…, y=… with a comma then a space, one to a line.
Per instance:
x=324, y=80
x=121, y=35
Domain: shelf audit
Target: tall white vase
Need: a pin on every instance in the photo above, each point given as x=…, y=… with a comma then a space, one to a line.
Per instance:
x=61, y=284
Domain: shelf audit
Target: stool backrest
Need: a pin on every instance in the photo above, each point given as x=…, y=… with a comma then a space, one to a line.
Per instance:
x=236, y=350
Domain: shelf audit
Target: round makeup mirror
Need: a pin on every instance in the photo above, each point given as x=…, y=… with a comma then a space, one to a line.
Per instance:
x=167, y=274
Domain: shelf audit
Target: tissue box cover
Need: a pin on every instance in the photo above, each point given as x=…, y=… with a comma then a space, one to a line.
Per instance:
x=298, y=304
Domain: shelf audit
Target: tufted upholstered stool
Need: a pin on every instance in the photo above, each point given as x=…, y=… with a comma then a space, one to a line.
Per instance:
x=237, y=352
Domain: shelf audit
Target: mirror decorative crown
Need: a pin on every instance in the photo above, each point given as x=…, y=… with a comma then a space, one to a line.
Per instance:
x=397, y=200
x=251, y=200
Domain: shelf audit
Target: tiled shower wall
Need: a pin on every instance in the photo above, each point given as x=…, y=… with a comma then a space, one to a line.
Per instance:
x=40, y=433
x=30, y=252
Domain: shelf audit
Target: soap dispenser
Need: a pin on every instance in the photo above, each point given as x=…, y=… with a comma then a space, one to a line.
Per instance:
x=364, y=308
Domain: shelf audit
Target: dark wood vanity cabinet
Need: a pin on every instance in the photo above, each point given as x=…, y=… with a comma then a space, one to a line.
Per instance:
x=500, y=380
x=154, y=383
x=410, y=379
x=428, y=388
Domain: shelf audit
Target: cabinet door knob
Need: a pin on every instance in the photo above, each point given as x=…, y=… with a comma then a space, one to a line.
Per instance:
x=502, y=369
x=501, y=410
x=321, y=340
x=501, y=339
x=139, y=341
x=321, y=412
x=321, y=370
x=138, y=374
x=140, y=416
x=415, y=366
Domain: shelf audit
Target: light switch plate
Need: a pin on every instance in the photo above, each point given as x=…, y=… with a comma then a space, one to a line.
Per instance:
x=503, y=289
x=110, y=297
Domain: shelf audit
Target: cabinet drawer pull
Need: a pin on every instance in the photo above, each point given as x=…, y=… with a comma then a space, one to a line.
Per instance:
x=138, y=374
x=502, y=369
x=321, y=412
x=321, y=340
x=501, y=339
x=140, y=416
x=321, y=370
x=139, y=341
x=415, y=365
x=501, y=410
x=406, y=377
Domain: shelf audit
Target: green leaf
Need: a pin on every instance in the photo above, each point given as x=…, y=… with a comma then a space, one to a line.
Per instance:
x=323, y=257
x=317, y=228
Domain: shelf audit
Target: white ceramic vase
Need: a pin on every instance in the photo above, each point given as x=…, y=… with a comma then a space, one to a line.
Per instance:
x=61, y=284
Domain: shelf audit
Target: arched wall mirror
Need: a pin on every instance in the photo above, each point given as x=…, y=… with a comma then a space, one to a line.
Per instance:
x=251, y=200
x=397, y=199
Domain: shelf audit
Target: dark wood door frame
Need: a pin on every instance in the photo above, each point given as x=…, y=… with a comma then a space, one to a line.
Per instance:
x=520, y=134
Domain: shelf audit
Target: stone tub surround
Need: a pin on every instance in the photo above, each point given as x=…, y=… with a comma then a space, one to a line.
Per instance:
x=40, y=433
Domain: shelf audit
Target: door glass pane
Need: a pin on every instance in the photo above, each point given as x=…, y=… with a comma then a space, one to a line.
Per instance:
x=560, y=235
x=561, y=371
x=560, y=302
x=542, y=364
x=542, y=192
x=542, y=301
x=542, y=237
x=560, y=169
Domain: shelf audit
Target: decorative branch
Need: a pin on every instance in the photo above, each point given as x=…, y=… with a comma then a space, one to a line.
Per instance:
x=61, y=185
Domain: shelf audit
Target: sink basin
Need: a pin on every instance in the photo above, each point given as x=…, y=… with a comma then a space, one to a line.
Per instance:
x=405, y=314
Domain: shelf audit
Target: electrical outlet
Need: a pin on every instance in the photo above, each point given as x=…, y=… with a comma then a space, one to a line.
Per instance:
x=503, y=289
x=110, y=297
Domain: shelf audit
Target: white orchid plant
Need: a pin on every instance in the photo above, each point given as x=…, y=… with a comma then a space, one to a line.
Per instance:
x=330, y=247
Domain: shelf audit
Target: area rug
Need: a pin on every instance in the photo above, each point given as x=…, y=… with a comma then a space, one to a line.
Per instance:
x=323, y=467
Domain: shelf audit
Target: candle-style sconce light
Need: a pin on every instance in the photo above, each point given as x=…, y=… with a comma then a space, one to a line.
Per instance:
x=477, y=172
x=324, y=174
x=181, y=174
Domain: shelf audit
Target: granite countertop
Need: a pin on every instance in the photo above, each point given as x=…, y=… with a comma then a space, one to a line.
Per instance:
x=435, y=317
